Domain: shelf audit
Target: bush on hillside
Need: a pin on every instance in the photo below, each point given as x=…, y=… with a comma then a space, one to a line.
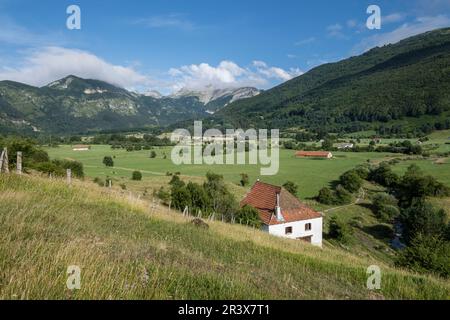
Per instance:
x=136, y=176
x=339, y=230
x=326, y=196
x=385, y=207
x=108, y=161
x=351, y=181
x=426, y=253
x=248, y=215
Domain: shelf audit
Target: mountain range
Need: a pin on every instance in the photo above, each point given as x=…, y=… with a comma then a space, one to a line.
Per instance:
x=76, y=105
x=405, y=83
x=397, y=85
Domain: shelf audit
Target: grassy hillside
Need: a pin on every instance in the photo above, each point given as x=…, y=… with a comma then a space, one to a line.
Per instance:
x=384, y=85
x=125, y=251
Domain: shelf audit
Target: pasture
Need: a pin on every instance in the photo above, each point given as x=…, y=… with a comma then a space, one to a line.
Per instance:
x=310, y=174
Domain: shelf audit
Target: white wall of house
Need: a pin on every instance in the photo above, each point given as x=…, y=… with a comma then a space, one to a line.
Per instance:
x=299, y=230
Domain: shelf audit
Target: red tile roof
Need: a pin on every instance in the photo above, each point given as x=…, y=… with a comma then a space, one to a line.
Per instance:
x=263, y=197
x=320, y=154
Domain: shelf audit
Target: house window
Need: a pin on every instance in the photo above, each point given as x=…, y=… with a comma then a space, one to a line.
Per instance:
x=288, y=230
x=308, y=227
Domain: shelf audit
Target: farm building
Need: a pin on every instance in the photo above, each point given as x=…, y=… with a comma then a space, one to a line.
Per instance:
x=314, y=154
x=344, y=146
x=284, y=215
x=81, y=147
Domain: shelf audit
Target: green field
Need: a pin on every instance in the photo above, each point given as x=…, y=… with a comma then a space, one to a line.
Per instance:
x=310, y=174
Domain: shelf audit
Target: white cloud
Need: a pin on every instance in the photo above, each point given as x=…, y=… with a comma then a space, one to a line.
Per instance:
x=228, y=74
x=336, y=31
x=45, y=65
x=393, y=18
x=420, y=25
x=173, y=20
x=352, y=23
x=305, y=41
x=275, y=72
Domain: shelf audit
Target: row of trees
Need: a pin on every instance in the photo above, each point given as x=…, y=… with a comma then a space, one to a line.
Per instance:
x=211, y=197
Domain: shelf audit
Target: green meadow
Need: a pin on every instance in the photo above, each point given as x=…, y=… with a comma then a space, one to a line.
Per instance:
x=310, y=174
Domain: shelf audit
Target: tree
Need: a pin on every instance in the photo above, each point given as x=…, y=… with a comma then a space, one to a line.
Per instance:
x=426, y=253
x=422, y=217
x=385, y=207
x=326, y=196
x=339, y=230
x=176, y=182
x=244, y=179
x=108, y=161
x=180, y=197
x=342, y=195
x=291, y=187
x=351, y=181
x=248, y=215
x=75, y=166
x=136, y=176
x=327, y=144
x=384, y=176
x=221, y=200
x=198, y=199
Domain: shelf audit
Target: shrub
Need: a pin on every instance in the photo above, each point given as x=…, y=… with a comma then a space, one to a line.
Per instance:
x=384, y=176
x=351, y=181
x=423, y=217
x=75, y=166
x=326, y=196
x=108, y=161
x=426, y=253
x=152, y=154
x=163, y=195
x=343, y=196
x=339, y=230
x=385, y=207
x=99, y=181
x=248, y=215
x=136, y=176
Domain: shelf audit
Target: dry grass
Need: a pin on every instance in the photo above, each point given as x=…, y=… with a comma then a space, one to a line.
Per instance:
x=126, y=251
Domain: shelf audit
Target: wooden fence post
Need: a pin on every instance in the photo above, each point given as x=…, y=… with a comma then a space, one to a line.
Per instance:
x=69, y=176
x=4, y=163
x=19, y=162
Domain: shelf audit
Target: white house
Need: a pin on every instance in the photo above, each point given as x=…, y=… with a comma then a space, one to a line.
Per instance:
x=344, y=146
x=284, y=215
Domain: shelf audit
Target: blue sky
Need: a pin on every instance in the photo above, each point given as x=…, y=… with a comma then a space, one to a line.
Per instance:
x=167, y=45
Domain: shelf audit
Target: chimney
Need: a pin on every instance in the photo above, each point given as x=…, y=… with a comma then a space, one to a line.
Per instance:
x=278, y=209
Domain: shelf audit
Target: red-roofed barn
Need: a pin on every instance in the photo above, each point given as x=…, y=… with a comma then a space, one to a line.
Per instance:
x=283, y=214
x=314, y=154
